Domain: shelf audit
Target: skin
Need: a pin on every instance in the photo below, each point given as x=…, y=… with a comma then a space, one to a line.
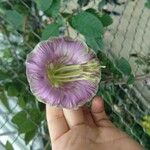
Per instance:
x=85, y=129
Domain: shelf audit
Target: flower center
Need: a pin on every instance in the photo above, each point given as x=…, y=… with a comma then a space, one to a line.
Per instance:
x=61, y=74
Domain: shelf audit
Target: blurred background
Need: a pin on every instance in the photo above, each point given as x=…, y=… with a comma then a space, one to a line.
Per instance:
x=117, y=30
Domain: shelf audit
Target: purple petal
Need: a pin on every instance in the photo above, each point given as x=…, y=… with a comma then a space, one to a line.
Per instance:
x=59, y=51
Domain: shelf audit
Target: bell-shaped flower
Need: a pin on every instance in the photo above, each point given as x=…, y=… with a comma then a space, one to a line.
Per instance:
x=63, y=72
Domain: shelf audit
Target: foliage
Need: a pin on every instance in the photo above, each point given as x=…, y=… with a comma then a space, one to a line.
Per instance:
x=43, y=5
x=147, y=4
x=24, y=23
x=50, y=30
x=87, y=24
x=8, y=146
x=146, y=123
x=14, y=18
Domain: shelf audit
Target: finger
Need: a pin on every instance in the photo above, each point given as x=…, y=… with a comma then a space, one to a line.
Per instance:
x=99, y=114
x=57, y=124
x=88, y=117
x=74, y=117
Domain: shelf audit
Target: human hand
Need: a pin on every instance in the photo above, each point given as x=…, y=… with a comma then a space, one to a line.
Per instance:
x=85, y=129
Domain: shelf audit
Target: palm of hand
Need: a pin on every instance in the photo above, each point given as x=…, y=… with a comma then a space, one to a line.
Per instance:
x=86, y=138
x=83, y=129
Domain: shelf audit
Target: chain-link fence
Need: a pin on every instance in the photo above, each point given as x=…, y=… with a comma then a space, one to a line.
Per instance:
x=127, y=37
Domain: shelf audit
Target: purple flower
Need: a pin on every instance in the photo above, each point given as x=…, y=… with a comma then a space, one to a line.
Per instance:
x=63, y=72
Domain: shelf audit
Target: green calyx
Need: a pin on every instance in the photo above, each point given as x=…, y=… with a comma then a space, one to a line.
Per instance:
x=61, y=74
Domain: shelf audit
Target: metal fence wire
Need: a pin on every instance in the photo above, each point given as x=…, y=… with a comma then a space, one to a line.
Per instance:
x=128, y=36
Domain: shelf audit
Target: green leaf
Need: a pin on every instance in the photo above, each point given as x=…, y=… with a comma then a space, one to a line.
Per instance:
x=83, y=2
x=4, y=75
x=35, y=115
x=9, y=146
x=106, y=20
x=53, y=11
x=4, y=100
x=43, y=4
x=50, y=31
x=93, y=12
x=95, y=43
x=26, y=123
x=147, y=4
x=27, y=126
x=131, y=79
x=123, y=65
x=12, y=91
x=7, y=53
x=4, y=6
x=21, y=9
x=107, y=97
x=23, y=123
x=87, y=24
x=17, y=119
x=21, y=102
x=14, y=18
x=29, y=136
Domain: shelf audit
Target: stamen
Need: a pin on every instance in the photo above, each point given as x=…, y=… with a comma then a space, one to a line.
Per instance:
x=70, y=67
x=63, y=77
x=71, y=80
x=61, y=74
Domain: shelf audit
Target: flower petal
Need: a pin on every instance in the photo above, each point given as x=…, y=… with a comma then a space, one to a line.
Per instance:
x=60, y=51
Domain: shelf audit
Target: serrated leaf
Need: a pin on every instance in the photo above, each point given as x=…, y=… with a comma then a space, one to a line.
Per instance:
x=53, y=11
x=23, y=123
x=95, y=43
x=123, y=65
x=14, y=18
x=43, y=4
x=87, y=24
x=131, y=79
x=50, y=31
x=106, y=20
x=9, y=146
